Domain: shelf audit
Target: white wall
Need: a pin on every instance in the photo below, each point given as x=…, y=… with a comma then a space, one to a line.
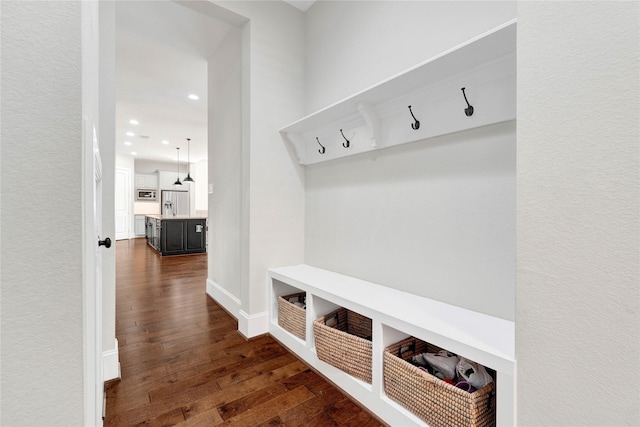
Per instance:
x=125, y=162
x=352, y=45
x=434, y=218
x=150, y=166
x=41, y=235
x=437, y=217
x=201, y=175
x=276, y=194
x=272, y=182
x=578, y=301
x=226, y=164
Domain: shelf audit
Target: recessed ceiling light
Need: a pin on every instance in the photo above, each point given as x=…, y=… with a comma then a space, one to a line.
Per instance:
x=165, y=142
x=127, y=143
x=134, y=122
x=194, y=97
x=133, y=153
x=130, y=134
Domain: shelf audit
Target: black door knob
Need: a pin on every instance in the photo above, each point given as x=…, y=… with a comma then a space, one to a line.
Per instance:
x=106, y=242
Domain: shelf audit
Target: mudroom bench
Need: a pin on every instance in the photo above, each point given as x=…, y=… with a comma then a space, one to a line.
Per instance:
x=395, y=315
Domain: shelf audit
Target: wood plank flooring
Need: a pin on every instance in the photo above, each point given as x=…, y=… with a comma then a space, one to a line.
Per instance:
x=184, y=363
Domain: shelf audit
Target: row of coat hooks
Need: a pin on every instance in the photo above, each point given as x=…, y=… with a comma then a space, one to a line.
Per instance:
x=467, y=111
x=345, y=144
x=415, y=125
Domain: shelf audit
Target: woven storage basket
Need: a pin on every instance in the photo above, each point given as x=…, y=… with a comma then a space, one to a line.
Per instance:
x=438, y=403
x=291, y=317
x=345, y=344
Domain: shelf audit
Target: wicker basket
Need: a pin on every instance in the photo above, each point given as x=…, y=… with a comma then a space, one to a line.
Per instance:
x=343, y=339
x=291, y=317
x=433, y=400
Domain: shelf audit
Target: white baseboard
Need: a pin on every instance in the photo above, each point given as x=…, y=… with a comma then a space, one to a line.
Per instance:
x=111, y=363
x=223, y=297
x=249, y=325
x=252, y=325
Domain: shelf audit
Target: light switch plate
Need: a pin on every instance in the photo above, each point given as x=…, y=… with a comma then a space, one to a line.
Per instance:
x=210, y=188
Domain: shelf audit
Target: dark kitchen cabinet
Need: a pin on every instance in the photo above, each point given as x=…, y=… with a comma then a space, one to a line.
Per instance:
x=152, y=232
x=177, y=236
x=196, y=235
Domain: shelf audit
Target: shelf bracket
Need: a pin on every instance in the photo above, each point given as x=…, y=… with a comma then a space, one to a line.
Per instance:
x=296, y=141
x=372, y=120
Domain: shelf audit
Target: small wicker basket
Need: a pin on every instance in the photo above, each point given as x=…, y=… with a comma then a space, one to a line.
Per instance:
x=343, y=339
x=437, y=402
x=291, y=317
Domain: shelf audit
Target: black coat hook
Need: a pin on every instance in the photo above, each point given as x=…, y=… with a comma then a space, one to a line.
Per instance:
x=322, y=150
x=416, y=125
x=345, y=144
x=469, y=110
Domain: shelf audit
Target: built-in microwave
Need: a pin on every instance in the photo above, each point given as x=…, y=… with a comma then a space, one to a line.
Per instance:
x=149, y=195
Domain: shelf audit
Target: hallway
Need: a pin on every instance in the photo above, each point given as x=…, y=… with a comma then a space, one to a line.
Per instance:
x=183, y=361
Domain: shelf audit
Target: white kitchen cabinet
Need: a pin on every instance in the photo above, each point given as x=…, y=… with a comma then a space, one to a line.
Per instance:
x=139, y=226
x=147, y=181
x=167, y=179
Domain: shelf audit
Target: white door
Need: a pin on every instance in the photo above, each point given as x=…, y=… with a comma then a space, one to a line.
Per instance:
x=92, y=219
x=93, y=375
x=122, y=203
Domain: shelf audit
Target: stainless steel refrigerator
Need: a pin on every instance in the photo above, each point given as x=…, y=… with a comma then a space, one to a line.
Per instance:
x=175, y=203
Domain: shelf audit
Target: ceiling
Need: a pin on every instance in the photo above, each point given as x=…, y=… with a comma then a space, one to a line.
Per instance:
x=161, y=57
x=303, y=5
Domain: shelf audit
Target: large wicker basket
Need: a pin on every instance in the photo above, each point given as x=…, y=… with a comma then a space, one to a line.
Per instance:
x=291, y=317
x=343, y=339
x=437, y=402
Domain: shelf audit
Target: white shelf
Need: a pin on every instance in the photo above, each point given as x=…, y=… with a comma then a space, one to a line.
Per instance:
x=395, y=314
x=379, y=117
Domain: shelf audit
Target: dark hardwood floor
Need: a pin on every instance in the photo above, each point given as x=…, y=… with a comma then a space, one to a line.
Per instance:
x=184, y=363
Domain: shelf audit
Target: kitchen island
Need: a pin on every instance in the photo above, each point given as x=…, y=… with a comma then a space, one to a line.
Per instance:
x=176, y=234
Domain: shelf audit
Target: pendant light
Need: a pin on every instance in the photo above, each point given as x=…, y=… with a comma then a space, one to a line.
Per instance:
x=188, y=178
x=178, y=175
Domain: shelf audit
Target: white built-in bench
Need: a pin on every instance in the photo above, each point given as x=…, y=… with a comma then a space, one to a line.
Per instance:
x=396, y=315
